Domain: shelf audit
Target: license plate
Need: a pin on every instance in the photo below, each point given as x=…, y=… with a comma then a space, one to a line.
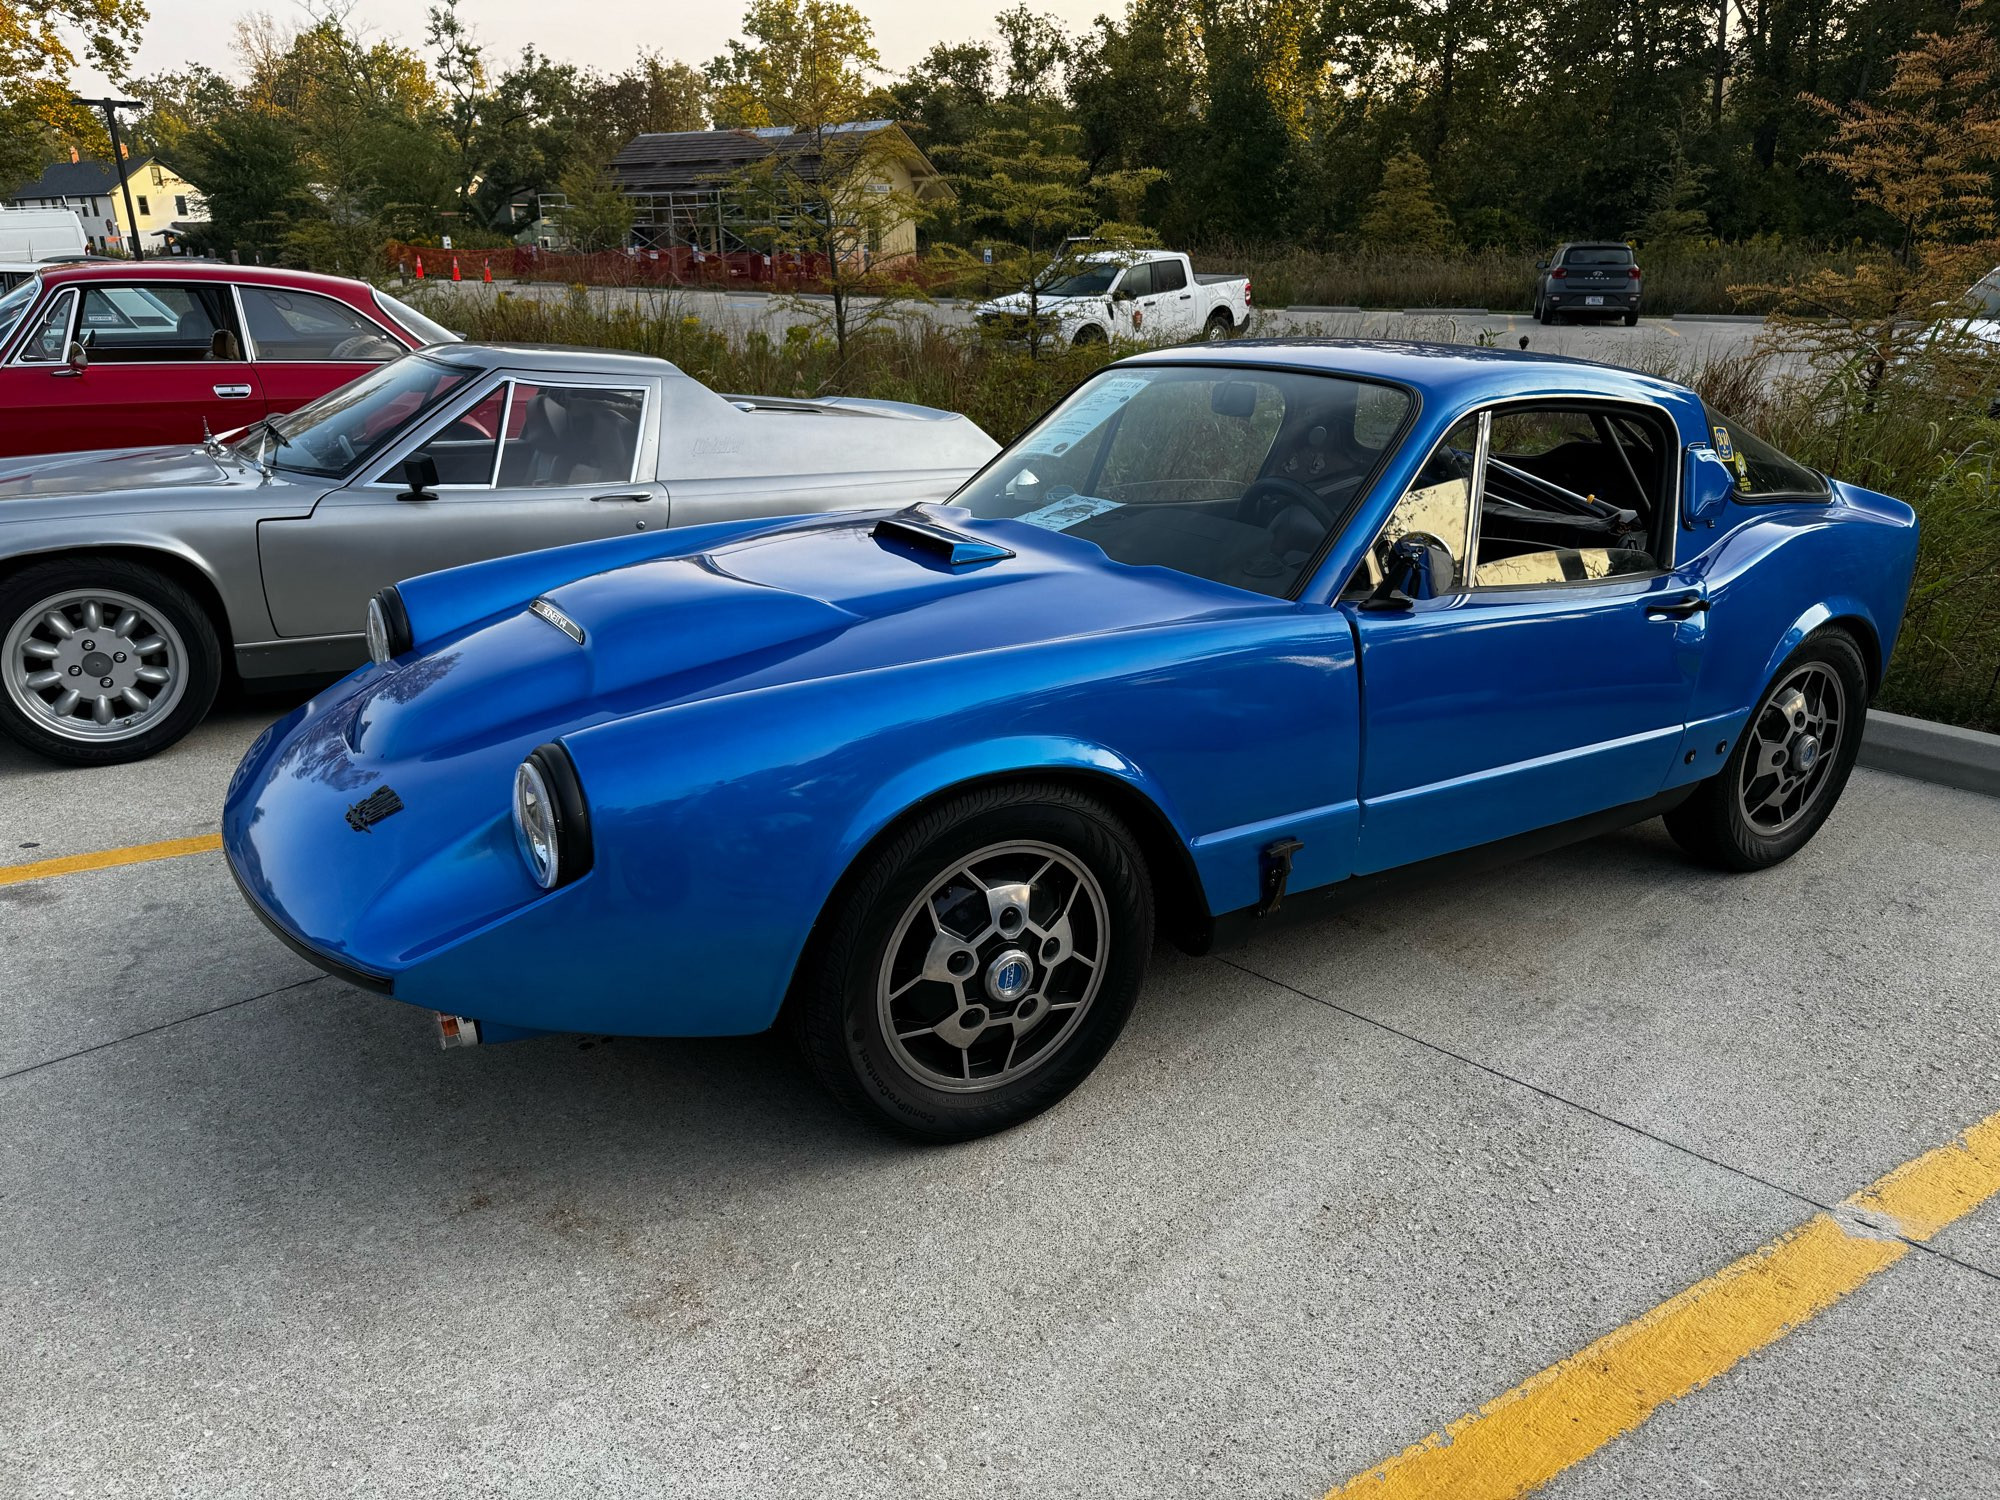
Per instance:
x=1593, y=302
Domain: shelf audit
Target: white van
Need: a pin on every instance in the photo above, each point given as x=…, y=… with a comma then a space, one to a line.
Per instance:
x=30, y=236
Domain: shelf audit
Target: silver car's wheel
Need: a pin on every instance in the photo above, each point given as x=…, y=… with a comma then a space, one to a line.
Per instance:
x=992, y=967
x=94, y=664
x=1794, y=740
x=102, y=660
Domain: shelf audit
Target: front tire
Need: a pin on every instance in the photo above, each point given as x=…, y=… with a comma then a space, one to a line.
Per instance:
x=981, y=964
x=102, y=661
x=1090, y=333
x=1789, y=765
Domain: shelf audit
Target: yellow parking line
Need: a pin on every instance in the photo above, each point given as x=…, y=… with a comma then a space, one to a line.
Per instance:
x=1525, y=1438
x=105, y=859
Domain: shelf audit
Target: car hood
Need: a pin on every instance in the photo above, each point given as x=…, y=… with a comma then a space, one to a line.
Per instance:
x=123, y=471
x=818, y=600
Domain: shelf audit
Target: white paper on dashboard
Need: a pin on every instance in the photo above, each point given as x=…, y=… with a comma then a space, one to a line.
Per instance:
x=1060, y=515
x=1083, y=416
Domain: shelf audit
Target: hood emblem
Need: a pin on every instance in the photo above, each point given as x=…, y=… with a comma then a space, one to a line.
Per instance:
x=373, y=808
x=547, y=611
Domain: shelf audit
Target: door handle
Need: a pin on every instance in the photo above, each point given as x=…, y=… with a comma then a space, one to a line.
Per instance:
x=231, y=392
x=640, y=496
x=1677, y=609
x=1187, y=296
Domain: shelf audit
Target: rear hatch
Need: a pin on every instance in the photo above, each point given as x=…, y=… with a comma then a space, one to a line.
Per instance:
x=1598, y=268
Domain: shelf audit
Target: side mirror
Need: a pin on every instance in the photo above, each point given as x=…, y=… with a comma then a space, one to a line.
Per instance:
x=75, y=360
x=420, y=474
x=1419, y=567
x=1709, y=483
x=1541, y=265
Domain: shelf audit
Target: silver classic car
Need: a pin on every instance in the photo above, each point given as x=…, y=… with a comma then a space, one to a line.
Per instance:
x=127, y=578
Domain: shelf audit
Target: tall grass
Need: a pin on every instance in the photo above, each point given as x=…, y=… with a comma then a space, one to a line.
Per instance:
x=1696, y=278
x=1931, y=444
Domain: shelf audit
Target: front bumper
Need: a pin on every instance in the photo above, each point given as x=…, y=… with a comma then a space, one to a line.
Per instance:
x=347, y=973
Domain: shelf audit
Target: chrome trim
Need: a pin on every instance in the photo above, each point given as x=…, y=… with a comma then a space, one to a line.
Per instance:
x=69, y=333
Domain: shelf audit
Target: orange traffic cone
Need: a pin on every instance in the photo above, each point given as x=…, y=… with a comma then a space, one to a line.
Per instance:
x=420, y=268
x=454, y=269
x=487, y=266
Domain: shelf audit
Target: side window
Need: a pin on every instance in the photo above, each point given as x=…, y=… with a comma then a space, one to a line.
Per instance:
x=1169, y=276
x=158, y=323
x=464, y=447
x=1137, y=281
x=1571, y=495
x=289, y=325
x=574, y=434
x=48, y=335
x=1437, y=507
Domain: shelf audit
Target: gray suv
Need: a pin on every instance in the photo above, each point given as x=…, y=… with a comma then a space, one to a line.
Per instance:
x=1596, y=280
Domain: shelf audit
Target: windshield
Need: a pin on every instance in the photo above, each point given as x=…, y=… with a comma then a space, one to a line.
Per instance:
x=1238, y=476
x=1092, y=281
x=347, y=427
x=418, y=326
x=14, y=306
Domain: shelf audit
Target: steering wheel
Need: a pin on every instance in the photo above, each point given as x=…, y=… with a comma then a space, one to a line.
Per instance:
x=1265, y=498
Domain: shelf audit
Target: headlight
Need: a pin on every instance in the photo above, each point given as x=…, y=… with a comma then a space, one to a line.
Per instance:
x=387, y=627
x=551, y=823
x=535, y=825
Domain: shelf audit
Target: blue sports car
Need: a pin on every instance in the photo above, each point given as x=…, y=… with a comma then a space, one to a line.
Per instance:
x=1232, y=628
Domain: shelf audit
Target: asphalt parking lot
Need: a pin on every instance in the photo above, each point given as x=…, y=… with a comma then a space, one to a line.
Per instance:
x=1329, y=1195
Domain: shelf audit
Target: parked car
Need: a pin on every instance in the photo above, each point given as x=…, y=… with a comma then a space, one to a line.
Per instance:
x=29, y=236
x=1156, y=295
x=1230, y=631
x=127, y=355
x=125, y=578
x=1592, y=280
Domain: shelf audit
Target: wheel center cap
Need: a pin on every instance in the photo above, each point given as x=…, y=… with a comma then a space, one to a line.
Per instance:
x=1009, y=975
x=97, y=664
x=1805, y=752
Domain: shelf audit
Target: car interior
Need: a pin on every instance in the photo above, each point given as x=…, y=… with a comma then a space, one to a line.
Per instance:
x=557, y=435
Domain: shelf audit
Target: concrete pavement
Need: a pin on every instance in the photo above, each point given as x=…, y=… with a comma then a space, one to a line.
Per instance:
x=1327, y=1194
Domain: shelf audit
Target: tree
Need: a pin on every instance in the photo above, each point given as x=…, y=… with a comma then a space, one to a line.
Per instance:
x=462, y=71
x=1027, y=182
x=596, y=213
x=803, y=63
x=1404, y=213
x=36, y=55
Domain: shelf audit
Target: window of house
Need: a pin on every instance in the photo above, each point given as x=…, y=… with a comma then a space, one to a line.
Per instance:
x=180, y=206
x=144, y=210
x=289, y=325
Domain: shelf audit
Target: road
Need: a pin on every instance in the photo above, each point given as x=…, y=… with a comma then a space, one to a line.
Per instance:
x=1327, y=1195
x=1656, y=343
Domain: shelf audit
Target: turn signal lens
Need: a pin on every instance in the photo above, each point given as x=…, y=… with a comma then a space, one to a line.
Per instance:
x=535, y=828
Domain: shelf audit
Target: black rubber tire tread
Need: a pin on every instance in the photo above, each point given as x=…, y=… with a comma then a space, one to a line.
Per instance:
x=204, y=666
x=1220, y=319
x=1631, y=320
x=834, y=1019
x=1711, y=827
x=1090, y=333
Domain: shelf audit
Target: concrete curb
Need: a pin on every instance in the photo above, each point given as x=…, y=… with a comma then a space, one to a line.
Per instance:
x=1941, y=753
x=1716, y=318
x=1310, y=308
x=1446, y=312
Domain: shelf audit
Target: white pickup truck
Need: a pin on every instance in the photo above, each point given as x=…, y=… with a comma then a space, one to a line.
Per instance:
x=1154, y=295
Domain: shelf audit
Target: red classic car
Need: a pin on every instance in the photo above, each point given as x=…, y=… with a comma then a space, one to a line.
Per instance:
x=125, y=355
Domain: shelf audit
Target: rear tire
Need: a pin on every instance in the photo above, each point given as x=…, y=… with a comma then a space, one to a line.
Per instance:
x=1766, y=803
x=1219, y=326
x=980, y=965
x=77, y=633
x=1546, y=314
x=1631, y=320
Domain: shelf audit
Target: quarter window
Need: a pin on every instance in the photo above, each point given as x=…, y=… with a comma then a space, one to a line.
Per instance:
x=464, y=448
x=304, y=326
x=48, y=335
x=1437, y=507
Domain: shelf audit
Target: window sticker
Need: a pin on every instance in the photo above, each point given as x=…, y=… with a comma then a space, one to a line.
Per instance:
x=1083, y=416
x=1071, y=510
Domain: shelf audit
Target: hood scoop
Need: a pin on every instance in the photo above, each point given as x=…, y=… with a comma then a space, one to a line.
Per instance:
x=928, y=539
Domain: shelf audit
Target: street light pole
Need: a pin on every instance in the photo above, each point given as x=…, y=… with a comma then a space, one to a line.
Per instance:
x=111, y=108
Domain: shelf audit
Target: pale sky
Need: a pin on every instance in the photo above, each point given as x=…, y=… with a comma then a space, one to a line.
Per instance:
x=605, y=34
